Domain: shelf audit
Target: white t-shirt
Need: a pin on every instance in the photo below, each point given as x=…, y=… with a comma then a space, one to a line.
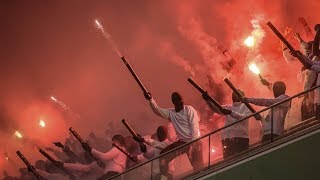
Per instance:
x=114, y=159
x=185, y=122
x=279, y=113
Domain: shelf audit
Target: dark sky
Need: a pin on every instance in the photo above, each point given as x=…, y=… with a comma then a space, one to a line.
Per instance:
x=52, y=48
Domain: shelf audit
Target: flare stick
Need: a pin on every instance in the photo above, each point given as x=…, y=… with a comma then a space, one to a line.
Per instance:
x=53, y=161
x=202, y=91
x=132, y=131
x=286, y=43
x=124, y=151
x=143, y=88
x=235, y=90
x=30, y=167
x=100, y=163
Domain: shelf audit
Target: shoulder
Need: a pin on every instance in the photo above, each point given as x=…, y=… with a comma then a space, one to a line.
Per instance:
x=189, y=107
x=284, y=96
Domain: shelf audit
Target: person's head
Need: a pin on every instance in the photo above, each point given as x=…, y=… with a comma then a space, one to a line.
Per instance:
x=177, y=101
x=308, y=48
x=279, y=88
x=118, y=139
x=235, y=98
x=162, y=133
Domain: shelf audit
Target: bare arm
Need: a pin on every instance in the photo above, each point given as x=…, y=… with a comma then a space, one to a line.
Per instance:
x=105, y=156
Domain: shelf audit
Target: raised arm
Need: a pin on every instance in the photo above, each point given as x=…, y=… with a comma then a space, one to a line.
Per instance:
x=239, y=116
x=158, y=110
x=105, y=156
x=155, y=143
x=213, y=107
x=264, y=102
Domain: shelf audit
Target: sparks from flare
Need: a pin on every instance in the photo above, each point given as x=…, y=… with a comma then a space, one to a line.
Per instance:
x=65, y=107
x=42, y=123
x=254, y=68
x=59, y=102
x=107, y=36
x=18, y=134
x=249, y=41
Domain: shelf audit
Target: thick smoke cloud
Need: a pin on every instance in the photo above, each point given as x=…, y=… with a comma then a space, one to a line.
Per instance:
x=53, y=49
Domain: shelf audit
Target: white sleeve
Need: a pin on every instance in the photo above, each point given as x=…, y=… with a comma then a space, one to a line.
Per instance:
x=149, y=154
x=159, y=111
x=105, y=156
x=194, y=122
x=238, y=116
x=265, y=102
x=155, y=143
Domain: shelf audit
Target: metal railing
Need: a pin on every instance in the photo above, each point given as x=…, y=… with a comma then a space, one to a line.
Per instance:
x=218, y=130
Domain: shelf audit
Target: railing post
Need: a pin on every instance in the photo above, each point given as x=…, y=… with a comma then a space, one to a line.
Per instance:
x=271, y=110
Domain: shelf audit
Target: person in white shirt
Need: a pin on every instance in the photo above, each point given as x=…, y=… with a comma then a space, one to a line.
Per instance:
x=314, y=66
x=236, y=137
x=154, y=149
x=276, y=114
x=185, y=121
x=114, y=160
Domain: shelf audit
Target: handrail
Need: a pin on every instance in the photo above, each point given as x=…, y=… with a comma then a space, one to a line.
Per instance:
x=208, y=134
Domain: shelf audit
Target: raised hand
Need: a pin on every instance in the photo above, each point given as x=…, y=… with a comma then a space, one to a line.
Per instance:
x=58, y=144
x=205, y=96
x=138, y=138
x=147, y=95
x=87, y=147
x=226, y=111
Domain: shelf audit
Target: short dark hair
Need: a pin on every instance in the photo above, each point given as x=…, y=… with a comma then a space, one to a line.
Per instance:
x=162, y=133
x=119, y=138
x=280, y=87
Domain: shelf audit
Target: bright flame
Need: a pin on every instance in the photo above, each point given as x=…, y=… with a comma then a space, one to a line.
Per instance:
x=42, y=123
x=212, y=150
x=253, y=68
x=98, y=24
x=250, y=41
x=7, y=158
x=53, y=98
x=18, y=134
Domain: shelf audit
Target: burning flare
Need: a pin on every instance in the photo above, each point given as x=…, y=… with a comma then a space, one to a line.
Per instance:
x=253, y=68
x=250, y=41
x=53, y=98
x=42, y=123
x=18, y=134
x=107, y=36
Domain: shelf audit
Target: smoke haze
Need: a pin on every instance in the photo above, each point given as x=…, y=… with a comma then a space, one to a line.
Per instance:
x=53, y=48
